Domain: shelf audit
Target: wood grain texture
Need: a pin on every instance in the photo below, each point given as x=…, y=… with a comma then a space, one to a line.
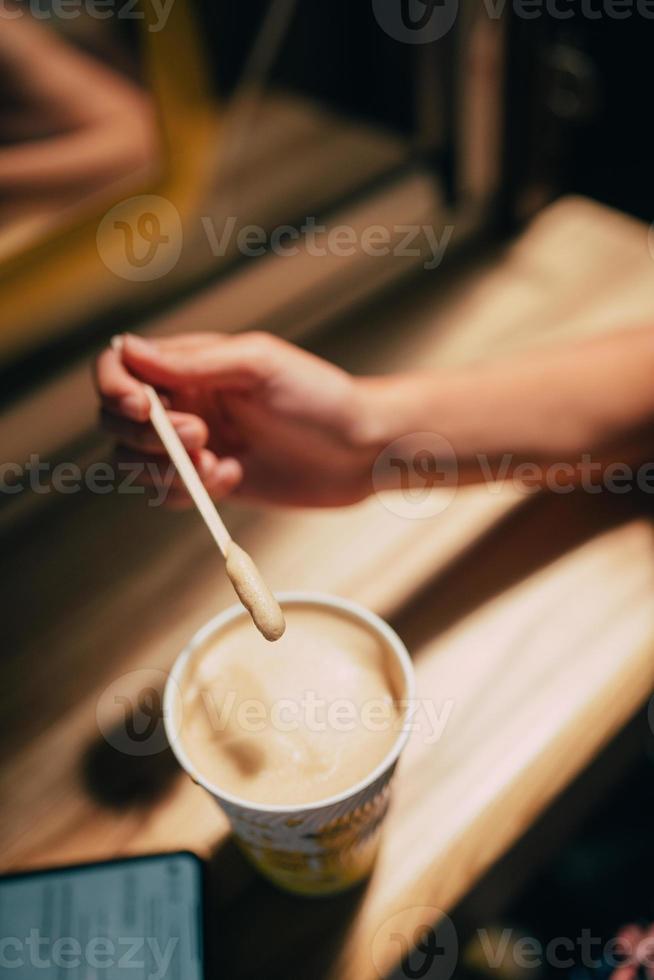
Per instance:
x=530, y=621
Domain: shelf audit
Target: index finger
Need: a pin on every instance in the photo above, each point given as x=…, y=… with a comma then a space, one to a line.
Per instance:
x=120, y=391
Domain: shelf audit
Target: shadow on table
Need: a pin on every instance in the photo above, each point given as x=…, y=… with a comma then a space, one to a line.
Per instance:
x=132, y=762
x=255, y=930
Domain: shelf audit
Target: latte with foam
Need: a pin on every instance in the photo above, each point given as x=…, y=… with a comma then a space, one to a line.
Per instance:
x=294, y=722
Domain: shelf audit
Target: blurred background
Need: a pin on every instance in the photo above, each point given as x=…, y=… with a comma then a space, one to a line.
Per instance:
x=268, y=113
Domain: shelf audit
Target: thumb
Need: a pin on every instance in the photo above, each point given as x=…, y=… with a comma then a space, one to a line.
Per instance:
x=230, y=363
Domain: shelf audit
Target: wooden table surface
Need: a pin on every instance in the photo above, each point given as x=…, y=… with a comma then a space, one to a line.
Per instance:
x=530, y=620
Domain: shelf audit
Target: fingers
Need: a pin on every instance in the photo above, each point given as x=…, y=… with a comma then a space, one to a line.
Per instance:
x=121, y=393
x=171, y=362
x=232, y=363
x=192, y=431
x=158, y=475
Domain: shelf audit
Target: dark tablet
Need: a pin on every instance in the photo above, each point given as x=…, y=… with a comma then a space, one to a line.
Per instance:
x=140, y=918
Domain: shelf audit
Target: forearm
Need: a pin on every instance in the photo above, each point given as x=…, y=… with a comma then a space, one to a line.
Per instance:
x=588, y=402
x=83, y=159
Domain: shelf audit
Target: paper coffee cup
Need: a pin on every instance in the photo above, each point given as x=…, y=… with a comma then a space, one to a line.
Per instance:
x=311, y=848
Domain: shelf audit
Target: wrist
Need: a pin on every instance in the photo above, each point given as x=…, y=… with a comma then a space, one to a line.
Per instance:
x=387, y=408
x=401, y=434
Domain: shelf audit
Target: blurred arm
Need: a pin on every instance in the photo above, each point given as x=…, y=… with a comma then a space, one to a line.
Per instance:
x=549, y=406
x=67, y=119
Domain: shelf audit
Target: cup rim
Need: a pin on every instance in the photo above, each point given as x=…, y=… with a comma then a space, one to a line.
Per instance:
x=237, y=611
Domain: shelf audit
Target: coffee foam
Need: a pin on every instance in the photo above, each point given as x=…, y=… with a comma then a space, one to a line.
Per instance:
x=296, y=722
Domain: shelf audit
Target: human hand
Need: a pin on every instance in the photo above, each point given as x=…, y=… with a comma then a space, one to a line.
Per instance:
x=261, y=418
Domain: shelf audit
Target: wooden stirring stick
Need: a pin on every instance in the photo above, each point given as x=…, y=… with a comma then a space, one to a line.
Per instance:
x=243, y=573
x=183, y=464
x=187, y=471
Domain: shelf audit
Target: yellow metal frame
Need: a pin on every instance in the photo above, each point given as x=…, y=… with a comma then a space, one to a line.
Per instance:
x=57, y=279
